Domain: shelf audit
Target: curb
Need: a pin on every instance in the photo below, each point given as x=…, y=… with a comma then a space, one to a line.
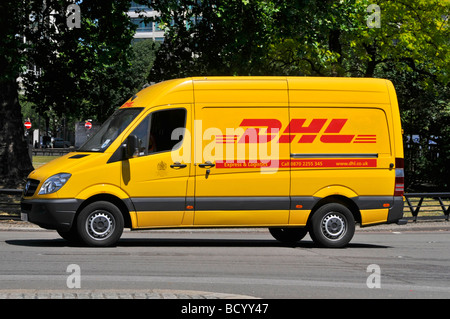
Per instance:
x=116, y=294
x=431, y=223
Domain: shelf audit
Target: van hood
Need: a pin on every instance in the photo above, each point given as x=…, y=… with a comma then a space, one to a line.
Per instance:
x=65, y=164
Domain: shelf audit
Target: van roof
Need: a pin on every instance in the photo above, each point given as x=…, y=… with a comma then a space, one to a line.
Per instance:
x=301, y=89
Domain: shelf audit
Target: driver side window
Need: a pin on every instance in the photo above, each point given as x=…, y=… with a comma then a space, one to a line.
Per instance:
x=154, y=133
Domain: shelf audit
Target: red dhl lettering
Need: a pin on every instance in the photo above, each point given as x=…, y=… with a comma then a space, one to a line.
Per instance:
x=251, y=135
x=265, y=130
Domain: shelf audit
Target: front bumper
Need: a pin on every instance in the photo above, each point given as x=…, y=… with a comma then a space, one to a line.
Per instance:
x=50, y=213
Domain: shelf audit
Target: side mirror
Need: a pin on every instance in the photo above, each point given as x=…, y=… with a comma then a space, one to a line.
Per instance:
x=127, y=150
x=131, y=148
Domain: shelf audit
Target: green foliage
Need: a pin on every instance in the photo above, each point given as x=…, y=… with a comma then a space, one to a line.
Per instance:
x=213, y=37
x=326, y=38
x=82, y=72
x=144, y=55
x=332, y=38
x=88, y=72
x=79, y=66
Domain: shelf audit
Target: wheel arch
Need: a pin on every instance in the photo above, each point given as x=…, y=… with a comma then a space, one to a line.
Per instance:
x=339, y=199
x=119, y=203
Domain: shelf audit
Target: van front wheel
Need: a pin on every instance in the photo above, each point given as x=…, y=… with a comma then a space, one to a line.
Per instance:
x=332, y=225
x=100, y=224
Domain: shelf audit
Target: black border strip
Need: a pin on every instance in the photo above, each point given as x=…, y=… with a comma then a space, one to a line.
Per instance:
x=159, y=203
x=242, y=203
x=248, y=203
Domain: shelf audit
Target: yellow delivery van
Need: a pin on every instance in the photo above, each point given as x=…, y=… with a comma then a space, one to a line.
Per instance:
x=293, y=154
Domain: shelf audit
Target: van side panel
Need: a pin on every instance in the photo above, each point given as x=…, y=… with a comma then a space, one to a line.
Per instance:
x=237, y=129
x=342, y=144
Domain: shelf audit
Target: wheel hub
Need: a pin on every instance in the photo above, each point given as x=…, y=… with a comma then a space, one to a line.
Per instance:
x=333, y=226
x=100, y=225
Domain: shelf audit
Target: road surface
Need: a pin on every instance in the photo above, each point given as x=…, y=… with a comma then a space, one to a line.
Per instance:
x=227, y=263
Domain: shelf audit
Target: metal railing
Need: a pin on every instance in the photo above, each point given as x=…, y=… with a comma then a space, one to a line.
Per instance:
x=431, y=202
x=51, y=151
x=7, y=203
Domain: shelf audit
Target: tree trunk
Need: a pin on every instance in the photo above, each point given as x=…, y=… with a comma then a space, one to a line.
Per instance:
x=370, y=68
x=15, y=162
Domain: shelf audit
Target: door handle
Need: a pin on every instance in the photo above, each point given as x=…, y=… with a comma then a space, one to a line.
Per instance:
x=206, y=164
x=178, y=165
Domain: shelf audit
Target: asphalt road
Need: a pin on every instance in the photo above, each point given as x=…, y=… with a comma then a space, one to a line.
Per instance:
x=225, y=263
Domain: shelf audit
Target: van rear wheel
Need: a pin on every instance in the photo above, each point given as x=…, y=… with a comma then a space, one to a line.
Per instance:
x=100, y=224
x=332, y=225
x=288, y=235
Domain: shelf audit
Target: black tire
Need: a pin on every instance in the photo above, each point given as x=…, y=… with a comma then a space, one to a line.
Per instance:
x=332, y=226
x=288, y=235
x=70, y=235
x=100, y=224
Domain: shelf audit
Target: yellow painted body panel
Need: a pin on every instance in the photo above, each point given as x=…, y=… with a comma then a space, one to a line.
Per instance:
x=299, y=217
x=273, y=138
x=323, y=91
x=159, y=219
x=90, y=176
x=241, y=218
x=151, y=176
x=396, y=132
x=346, y=182
x=373, y=216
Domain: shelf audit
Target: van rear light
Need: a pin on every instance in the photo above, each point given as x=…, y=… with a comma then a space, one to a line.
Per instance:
x=399, y=177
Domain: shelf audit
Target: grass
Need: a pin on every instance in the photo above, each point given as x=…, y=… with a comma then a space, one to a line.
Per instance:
x=13, y=210
x=429, y=207
x=38, y=161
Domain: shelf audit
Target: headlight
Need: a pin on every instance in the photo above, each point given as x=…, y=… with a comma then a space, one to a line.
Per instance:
x=54, y=183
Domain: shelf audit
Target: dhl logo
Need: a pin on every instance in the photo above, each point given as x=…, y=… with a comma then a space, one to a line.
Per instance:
x=308, y=133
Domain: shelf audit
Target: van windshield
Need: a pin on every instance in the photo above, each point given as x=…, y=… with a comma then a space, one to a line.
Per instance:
x=109, y=131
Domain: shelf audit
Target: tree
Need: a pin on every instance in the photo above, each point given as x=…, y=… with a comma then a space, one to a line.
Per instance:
x=410, y=46
x=80, y=66
x=70, y=60
x=144, y=55
x=212, y=37
x=333, y=38
x=108, y=87
x=15, y=162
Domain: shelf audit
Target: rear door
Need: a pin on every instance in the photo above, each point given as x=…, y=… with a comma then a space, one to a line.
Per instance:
x=340, y=144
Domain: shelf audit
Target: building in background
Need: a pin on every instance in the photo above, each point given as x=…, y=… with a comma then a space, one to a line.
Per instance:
x=144, y=31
